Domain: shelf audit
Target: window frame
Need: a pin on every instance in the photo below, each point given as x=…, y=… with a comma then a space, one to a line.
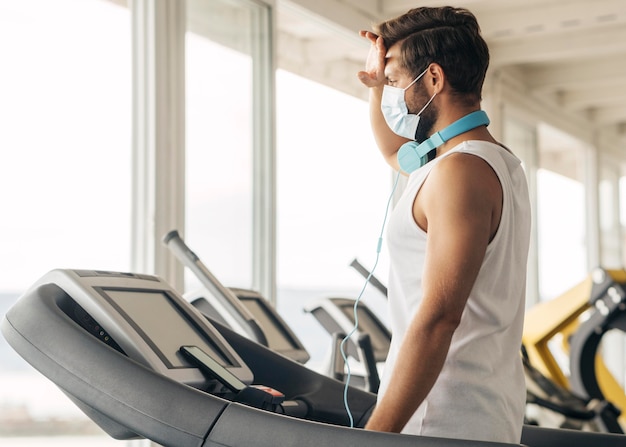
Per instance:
x=159, y=140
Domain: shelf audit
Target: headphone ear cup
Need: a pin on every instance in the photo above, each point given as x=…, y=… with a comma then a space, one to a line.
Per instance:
x=410, y=157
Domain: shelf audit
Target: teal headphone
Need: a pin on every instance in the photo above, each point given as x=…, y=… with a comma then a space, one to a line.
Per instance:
x=412, y=155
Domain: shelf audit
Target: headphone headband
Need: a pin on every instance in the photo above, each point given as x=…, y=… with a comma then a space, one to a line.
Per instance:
x=412, y=155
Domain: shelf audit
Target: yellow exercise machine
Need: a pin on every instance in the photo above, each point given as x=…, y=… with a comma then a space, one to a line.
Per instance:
x=573, y=324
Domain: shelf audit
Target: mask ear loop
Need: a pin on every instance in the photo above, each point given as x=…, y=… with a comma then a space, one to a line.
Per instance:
x=427, y=104
x=431, y=98
x=415, y=80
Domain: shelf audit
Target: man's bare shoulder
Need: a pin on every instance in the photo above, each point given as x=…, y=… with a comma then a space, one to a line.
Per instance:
x=461, y=187
x=464, y=173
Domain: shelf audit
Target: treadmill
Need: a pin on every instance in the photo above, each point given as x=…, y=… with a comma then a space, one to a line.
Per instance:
x=585, y=407
x=368, y=344
x=142, y=362
x=245, y=311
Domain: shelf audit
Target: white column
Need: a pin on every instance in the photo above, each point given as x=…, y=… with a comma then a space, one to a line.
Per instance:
x=592, y=207
x=158, y=134
x=493, y=104
x=264, y=152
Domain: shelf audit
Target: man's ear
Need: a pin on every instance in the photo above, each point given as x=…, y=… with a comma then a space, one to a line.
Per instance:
x=436, y=78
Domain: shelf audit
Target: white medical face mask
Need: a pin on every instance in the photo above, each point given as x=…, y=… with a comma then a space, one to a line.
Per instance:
x=396, y=112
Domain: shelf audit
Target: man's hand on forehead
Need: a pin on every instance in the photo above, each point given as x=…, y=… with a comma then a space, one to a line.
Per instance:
x=374, y=73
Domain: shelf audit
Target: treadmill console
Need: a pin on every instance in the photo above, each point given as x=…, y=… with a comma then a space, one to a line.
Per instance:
x=336, y=315
x=144, y=318
x=278, y=335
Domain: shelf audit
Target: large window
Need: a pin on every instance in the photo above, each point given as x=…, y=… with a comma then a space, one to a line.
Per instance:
x=65, y=168
x=609, y=212
x=561, y=218
x=225, y=65
x=333, y=187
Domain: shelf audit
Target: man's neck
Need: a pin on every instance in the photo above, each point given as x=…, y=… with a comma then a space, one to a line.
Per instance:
x=454, y=114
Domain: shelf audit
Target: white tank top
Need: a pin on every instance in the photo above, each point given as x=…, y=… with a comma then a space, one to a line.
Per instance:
x=480, y=393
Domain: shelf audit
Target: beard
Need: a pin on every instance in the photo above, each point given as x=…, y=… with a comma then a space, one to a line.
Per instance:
x=426, y=123
x=429, y=116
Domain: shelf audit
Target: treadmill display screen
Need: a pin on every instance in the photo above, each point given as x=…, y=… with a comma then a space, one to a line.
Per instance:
x=162, y=324
x=277, y=339
x=368, y=325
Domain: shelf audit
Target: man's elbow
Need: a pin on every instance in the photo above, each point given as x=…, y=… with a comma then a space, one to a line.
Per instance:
x=446, y=324
x=437, y=325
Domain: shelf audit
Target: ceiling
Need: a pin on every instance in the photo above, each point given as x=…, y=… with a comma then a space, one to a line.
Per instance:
x=565, y=60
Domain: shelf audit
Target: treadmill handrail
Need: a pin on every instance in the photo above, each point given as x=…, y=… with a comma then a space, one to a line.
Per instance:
x=227, y=298
x=369, y=276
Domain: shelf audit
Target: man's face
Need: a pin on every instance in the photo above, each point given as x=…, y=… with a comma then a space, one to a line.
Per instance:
x=416, y=96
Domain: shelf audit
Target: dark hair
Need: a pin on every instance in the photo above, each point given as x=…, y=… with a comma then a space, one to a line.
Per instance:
x=448, y=36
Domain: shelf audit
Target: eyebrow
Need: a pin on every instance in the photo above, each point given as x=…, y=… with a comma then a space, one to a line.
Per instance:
x=393, y=72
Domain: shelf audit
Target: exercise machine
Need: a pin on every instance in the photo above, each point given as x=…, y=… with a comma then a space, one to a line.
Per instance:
x=573, y=325
x=368, y=345
x=548, y=402
x=141, y=361
x=245, y=311
x=607, y=311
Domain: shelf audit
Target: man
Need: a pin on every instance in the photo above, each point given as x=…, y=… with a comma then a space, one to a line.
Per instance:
x=458, y=237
